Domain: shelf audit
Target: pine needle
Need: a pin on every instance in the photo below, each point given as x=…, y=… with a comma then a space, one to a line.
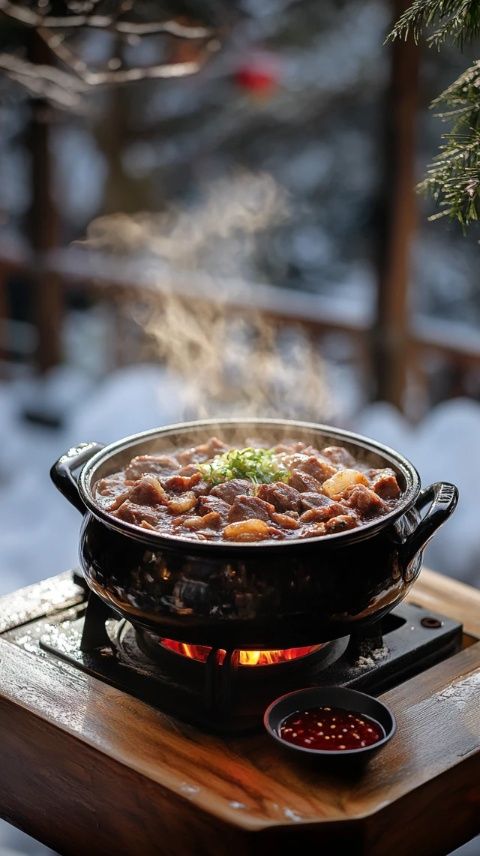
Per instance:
x=453, y=178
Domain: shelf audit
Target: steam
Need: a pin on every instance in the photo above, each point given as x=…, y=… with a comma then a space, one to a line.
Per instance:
x=200, y=319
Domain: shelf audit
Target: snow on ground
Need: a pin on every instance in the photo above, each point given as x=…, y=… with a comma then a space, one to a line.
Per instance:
x=39, y=529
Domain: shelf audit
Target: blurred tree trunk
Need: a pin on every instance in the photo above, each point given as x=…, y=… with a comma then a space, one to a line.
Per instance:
x=397, y=222
x=3, y=315
x=47, y=303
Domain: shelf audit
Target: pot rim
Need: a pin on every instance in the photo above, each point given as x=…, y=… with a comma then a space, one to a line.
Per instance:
x=160, y=539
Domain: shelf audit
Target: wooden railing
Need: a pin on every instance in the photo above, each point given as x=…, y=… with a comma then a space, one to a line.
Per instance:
x=120, y=281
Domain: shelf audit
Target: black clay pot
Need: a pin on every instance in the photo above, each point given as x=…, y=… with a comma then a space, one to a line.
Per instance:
x=269, y=594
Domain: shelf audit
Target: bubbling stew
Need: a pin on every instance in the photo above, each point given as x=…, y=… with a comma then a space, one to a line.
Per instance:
x=215, y=492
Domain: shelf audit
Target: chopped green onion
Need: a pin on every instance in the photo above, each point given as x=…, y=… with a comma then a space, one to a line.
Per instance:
x=258, y=465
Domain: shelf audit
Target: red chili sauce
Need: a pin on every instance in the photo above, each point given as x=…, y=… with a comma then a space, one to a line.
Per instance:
x=330, y=728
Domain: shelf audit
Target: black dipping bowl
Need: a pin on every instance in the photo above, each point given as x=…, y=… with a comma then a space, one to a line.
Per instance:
x=344, y=698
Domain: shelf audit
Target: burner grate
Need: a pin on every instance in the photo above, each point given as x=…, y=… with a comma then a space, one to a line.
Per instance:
x=225, y=698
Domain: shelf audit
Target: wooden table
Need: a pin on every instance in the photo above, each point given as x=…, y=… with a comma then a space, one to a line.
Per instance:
x=86, y=768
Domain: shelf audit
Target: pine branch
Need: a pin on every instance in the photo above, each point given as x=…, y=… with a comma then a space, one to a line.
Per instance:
x=464, y=92
x=455, y=19
x=453, y=179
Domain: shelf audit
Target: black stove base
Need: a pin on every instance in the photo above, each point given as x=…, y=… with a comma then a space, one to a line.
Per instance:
x=231, y=699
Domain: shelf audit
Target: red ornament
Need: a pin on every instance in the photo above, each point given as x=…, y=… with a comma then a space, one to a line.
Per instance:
x=259, y=76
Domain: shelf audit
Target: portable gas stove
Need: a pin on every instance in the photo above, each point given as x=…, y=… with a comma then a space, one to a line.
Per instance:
x=97, y=723
x=228, y=691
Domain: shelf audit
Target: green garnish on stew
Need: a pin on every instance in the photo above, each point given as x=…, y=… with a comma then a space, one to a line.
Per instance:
x=258, y=465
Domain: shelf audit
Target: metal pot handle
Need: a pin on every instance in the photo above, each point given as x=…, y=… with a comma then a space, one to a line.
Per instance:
x=62, y=472
x=443, y=498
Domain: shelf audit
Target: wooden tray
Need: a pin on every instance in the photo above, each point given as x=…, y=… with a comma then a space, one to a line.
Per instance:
x=86, y=768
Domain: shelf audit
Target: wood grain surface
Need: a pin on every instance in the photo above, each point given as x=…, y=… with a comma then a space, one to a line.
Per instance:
x=85, y=767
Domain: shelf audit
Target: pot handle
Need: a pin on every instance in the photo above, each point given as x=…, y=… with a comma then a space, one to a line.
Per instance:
x=62, y=472
x=443, y=498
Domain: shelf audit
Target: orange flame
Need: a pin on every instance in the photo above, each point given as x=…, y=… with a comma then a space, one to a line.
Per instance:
x=246, y=658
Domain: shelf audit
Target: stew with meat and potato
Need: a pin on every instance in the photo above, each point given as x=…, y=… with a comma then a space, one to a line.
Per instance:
x=217, y=493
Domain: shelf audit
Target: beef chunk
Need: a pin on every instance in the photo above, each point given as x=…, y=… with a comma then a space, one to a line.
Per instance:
x=207, y=504
x=201, y=488
x=320, y=470
x=314, y=500
x=304, y=482
x=148, y=491
x=230, y=489
x=203, y=452
x=323, y=513
x=340, y=523
x=246, y=507
x=365, y=501
x=313, y=531
x=111, y=486
x=160, y=465
x=137, y=514
x=283, y=496
x=177, y=484
x=339, y=456
x=188, y=470
x=290, y=446
x=384, y=482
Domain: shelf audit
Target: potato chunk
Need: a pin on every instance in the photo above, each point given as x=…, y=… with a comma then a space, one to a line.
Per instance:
x=183, y=503
x=247, y=530
x=208, y=520
x=342, y=481
x=285, y=520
